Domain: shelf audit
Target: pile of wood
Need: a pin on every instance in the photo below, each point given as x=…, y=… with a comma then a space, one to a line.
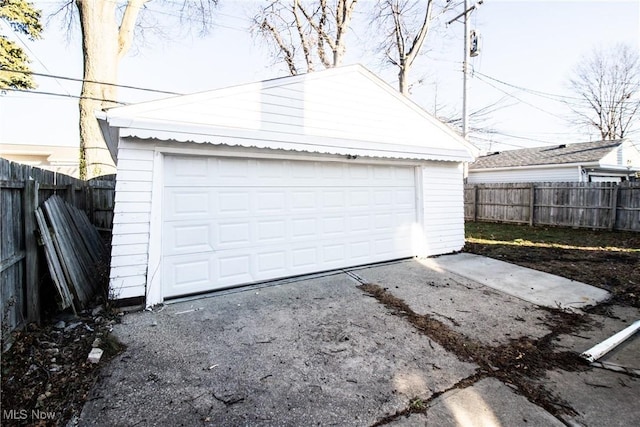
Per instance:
x=76, y=255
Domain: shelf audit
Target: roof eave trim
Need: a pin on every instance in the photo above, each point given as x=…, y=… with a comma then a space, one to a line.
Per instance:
x=325, y=147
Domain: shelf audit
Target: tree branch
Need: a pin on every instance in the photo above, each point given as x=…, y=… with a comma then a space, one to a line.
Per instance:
x=127, y=26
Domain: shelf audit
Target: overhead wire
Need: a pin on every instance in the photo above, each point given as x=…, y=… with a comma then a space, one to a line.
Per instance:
x=486, y=81
x=40, y=92
x=54, y=76
x=33, y=55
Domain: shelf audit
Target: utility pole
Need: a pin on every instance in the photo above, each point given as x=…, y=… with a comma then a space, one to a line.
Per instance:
x=465, y=73
x=465, y=62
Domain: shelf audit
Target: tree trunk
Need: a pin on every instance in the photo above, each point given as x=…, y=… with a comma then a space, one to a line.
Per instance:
x=100, y=52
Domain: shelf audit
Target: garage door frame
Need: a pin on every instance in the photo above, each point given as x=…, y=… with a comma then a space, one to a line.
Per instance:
x=154, y=288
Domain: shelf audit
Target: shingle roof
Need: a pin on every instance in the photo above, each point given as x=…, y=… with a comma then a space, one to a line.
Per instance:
x=584, y=152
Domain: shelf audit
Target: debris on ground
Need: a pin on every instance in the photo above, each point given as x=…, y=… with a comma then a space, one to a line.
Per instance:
x=517, y=363
x=47, y=369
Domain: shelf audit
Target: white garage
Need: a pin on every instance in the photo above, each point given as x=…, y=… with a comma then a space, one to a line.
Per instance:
x=281, y=178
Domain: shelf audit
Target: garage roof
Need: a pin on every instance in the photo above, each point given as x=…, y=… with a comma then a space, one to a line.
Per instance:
x=345, y=111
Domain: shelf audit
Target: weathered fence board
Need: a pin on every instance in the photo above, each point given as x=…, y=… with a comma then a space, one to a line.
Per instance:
x=607, y=206
x=22, y=189
x=78, y=247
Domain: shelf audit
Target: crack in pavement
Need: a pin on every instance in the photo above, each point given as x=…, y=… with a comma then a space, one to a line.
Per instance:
x=516, y=363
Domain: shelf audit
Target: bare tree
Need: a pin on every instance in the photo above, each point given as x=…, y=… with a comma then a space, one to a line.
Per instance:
x=306, y=33
x=108, y=29
x=404, y=25
x=608, y=84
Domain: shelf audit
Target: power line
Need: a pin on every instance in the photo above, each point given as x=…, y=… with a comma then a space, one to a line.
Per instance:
x=532, y=91
x=90, y=81
x=552, y=96
x=39, y=92
x=482, y=79
x=491, y=140
x=33, y=55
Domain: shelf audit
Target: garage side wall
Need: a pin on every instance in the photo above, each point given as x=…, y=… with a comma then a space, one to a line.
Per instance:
x=132, y=214
x=442, y=207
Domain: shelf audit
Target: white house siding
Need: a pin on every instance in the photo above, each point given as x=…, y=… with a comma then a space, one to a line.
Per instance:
x=132, y=214
x=555, y=174
x=442, y=208
x=341, y=108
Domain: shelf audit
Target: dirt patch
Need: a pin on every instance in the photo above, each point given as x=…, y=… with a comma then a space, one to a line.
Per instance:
x=517, y=363
x=46, y=375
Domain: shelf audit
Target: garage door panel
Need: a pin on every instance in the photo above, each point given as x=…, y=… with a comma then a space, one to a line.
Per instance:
x=188, y=273
x=272, y=231
x=185, y=204
x=231, y=168
x=334, y=253
x=404, y=176
x=360, y=222
x=232, y=202
x=360, y=251
x=272, y=263
x=234, y=269
x=333, y=199
x=332, y=225
x=404, y=199
x=187, y=237
x=359, y=198
x=233, y=233
x=271, y=202
x=304, y=228
x=305, y=257
x=258, y=220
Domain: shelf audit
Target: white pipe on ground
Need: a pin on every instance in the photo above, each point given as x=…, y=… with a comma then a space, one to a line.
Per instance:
x=599, y=350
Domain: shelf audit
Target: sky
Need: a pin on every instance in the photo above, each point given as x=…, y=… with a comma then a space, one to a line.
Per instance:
x=528, y=51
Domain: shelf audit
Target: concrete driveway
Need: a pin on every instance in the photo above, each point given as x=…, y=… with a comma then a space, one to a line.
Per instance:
x=322, y=351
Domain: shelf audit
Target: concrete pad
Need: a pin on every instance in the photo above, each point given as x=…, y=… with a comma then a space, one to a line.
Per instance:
x=315, y=352
x=487, y=403
x=600, y=397
x=530, y=285
x=466, y=306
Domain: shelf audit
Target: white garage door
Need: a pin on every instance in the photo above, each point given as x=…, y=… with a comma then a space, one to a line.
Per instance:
x=232, y=221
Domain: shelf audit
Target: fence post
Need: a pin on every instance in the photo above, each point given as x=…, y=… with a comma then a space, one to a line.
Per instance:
x=31, y=251
x=475, y=203
x=532, y=202
x=614, y=207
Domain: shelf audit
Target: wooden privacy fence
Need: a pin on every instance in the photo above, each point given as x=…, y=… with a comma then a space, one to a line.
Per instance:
x=22, y=189
x=595, y=205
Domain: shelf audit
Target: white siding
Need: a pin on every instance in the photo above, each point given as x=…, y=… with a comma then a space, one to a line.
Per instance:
x=348, y=107
x=132, y=211
x=443, y=210
x=542, y=174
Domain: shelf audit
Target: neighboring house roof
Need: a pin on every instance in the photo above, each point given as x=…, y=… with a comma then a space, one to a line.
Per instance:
x=344, y=111
x=56, y=158
x=585, y=152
